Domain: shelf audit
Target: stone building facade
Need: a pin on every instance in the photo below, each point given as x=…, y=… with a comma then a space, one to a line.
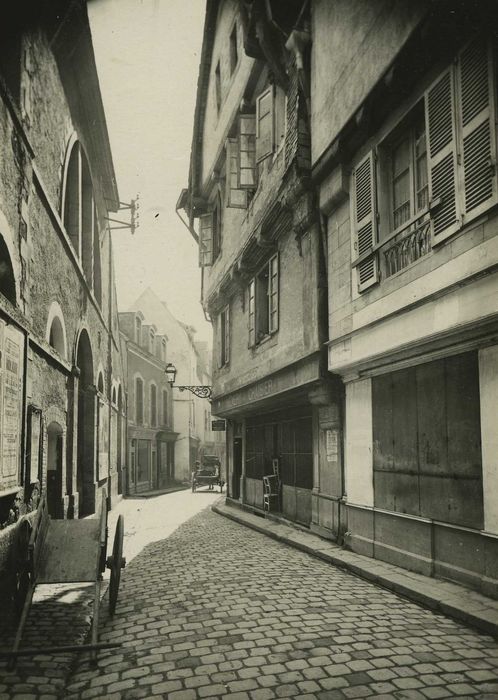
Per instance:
x=343, y=191
x=404, y=155
x=150, y=439
x=253, y=209
x=191, y=414
x=62, y=396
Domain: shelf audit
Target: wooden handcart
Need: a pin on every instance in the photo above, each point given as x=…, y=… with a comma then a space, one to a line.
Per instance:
x=66, y=551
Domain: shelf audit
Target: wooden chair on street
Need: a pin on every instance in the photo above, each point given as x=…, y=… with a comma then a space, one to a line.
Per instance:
x=271, y=489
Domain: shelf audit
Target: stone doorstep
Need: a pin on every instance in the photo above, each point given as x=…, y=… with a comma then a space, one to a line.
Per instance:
x=462, y=604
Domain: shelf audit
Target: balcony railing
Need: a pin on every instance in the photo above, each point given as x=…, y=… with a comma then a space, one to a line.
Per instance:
x=406, y=246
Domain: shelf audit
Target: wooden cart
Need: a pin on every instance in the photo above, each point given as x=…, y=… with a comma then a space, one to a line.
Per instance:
x=66, y=551
x=207, y=476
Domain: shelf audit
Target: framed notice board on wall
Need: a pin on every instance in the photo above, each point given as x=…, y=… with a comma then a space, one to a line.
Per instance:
x=34, y=444
x=12, y=343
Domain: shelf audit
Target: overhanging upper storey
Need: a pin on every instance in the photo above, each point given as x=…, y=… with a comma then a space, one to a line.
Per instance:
x=241, y=109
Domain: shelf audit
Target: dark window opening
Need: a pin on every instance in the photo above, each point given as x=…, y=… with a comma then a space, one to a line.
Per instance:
x=234, y=56
x=153, y=405
x=7, y=280
x=139, y=401
x=217, y=84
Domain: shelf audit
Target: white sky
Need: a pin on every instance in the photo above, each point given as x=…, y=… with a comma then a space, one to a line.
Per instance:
x=147, y=54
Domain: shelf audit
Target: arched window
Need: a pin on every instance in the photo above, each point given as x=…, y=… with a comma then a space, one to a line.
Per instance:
x=7, y=279
x=56, y=330
x=114, y=395
x=153, y=405
x=80, y=217
x=139, y=401
x=100, y=383
x=56, y=337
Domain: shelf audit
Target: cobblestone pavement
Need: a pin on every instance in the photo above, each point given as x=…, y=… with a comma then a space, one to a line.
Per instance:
x=61, y=614
x=218, y=610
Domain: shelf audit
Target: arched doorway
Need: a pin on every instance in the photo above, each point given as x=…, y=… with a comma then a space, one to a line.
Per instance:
x=85, y=470
x=54, y=470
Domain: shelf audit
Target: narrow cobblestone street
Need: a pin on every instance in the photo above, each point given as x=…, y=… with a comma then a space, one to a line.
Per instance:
x=219, y=610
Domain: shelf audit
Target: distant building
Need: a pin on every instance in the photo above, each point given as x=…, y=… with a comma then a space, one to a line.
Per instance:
x=192, y=415
x=151, y=438
x=62, y=398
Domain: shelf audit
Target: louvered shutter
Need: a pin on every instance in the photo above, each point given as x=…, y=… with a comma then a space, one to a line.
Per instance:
x=442, y=156
x=365, y=222
x=206, y=240
x=235, y=197
x=477, y=128
x=226, y=357
x=273, y=294
x=251, y=314
x=219, y=340
x=247, y=152
x=265, y=137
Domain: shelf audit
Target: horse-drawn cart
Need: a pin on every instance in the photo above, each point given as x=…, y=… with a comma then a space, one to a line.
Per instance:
x=208, y=474
x=65, y=551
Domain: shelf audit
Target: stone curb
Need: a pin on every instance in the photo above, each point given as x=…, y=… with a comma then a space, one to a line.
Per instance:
x=462, y=604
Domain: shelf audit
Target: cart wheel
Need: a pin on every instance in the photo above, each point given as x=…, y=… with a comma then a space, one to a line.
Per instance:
x=115, y=563
x=22, y=575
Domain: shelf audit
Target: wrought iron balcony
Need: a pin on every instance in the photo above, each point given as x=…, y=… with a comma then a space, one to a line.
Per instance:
x=407, y=245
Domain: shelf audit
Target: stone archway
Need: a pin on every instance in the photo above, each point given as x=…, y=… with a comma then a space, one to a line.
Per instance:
x=85, y=467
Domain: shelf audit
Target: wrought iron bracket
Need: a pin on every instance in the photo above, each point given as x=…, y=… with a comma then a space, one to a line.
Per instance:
x=203, y=392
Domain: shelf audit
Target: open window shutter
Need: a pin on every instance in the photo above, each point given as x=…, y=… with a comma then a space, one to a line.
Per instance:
x=365, y=222
x=235, y=197
x=226, y=358
x=265, y=138
x=219, y=340
x=477, y=128
x=206, y=240
x=273, y=294
x=442, y=156
x=247, y=152
x=251, y=314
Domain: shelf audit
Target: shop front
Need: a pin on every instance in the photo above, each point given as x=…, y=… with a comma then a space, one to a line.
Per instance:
x=273, y=441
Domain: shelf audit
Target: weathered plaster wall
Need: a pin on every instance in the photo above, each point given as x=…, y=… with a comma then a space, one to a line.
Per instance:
x=216, y=125
x=343, y=72
x=297, y=335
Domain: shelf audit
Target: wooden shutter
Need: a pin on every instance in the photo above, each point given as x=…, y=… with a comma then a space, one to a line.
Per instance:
x=251, y=314
x=235, y=196
x=247, y=152
x=365, y=222
x=226, y=355
x=442, y=156
x=273, y=294
x=219, y=340
x=476, y=118
x=265, y=137
x=206, y=240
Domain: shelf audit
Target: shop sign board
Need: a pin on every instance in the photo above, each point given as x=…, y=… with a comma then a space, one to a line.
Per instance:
x=218, y=425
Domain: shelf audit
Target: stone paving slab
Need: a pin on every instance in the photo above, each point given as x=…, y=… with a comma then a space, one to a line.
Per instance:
x=458, y=602
x=220, y=610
